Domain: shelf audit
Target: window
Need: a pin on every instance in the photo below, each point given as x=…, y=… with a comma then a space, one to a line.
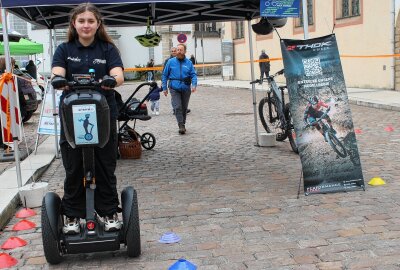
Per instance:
x=347, y=12
x=206, y=27
x=238, y=30
x=347, y=8
x=310, y=13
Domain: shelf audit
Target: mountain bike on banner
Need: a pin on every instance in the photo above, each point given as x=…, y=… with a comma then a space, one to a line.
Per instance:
x=329, y=134
x=275, y=114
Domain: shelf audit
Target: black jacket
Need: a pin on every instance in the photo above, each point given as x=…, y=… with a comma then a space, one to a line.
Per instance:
x=264, y=65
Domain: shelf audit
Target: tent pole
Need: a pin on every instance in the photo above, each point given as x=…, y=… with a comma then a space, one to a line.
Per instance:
x=253, y=87
x=14, y=129
x=5, y=39
x=202, y=49
x=53, y=92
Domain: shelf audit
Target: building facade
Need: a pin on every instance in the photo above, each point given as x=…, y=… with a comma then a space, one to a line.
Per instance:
x=368, y=30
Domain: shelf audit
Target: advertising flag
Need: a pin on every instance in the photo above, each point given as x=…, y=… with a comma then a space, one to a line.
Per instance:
x=321, y=115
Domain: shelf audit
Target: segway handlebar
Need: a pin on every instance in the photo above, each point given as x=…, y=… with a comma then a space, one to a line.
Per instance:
x=83, y=81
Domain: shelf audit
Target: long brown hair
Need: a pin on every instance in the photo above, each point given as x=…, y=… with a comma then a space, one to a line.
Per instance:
x=3, y=64
x=101, y=31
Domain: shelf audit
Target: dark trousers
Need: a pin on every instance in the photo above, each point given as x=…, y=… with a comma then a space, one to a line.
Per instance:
x=106, y=196
x=264, y=72
x=180, y=103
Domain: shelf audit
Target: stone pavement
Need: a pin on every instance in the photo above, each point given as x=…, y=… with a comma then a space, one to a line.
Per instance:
x=235, y=205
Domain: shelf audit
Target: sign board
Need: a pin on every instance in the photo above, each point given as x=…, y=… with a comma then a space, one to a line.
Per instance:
x=46, y=122
x=85, y=124
x=182, y=38
x=227, y=71
x=227, y=58
x=280, y=8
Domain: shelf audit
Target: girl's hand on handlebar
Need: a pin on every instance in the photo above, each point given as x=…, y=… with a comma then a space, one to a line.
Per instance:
x=108, y=82
x=59, y=82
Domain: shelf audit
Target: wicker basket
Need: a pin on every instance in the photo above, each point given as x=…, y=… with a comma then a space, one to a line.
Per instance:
x=130, y=149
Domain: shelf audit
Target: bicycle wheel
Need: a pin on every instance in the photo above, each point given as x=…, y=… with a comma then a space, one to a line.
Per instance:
x=290, y=129
x=269, y=118
x=336, y=144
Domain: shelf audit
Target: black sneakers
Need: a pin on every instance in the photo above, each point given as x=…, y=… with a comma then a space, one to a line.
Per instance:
x=182, y=129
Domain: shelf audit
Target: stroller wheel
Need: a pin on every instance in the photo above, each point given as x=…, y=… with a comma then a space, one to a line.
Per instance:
x=148, y=140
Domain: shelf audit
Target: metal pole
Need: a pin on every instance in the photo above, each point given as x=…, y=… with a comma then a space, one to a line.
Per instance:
x=195, y=48
x=202, y=49
x=305, y=19
x=53, y=92
x=5, y=40
x=14, y=129
x=253, y=88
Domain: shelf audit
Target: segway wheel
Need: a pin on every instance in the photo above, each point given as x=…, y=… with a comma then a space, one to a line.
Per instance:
x=133, y=230
x=148, y=140
x=88, y=136
x=50, y=243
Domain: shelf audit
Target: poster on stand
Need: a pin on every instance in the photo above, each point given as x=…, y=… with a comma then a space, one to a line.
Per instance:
x=46, y=120
x=321, y=115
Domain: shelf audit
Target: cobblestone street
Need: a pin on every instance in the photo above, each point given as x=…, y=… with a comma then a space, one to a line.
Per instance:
x=235, y=205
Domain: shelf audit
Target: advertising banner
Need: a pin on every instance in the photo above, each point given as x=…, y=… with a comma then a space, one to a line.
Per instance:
x=227, y=58
x=321, y=115
x=46, y=122
x=280, y=8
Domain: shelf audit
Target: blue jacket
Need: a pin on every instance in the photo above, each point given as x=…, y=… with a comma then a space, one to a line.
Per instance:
x=155, y=94
x=176, y=71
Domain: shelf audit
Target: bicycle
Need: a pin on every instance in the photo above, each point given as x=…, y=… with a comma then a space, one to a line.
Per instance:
x=330, y=135
x=350, y=144
x=274, y=114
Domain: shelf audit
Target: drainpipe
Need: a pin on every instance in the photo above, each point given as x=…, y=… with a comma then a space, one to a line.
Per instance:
x=393, y=31
x=305, y=19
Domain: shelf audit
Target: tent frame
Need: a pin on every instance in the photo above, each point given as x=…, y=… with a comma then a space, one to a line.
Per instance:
x=55, y=14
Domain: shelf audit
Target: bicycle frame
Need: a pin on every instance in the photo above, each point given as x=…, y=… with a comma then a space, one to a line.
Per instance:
x=278, y=94
x=325, y=127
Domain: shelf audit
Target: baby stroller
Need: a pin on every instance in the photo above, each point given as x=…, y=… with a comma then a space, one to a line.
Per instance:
x=134, y=109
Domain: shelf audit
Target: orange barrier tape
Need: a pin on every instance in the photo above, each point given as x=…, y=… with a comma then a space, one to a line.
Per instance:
x=264, y=60
x=370, y=56
x=161, y=68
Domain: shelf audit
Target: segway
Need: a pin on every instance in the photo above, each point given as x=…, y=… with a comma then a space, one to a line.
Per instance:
x=85, y=105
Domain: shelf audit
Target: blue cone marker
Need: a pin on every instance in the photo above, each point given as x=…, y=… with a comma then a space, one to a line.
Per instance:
x=182, y=264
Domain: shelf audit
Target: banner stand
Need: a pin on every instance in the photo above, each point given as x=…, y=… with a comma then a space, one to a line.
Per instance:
x=40, y=117
x=301, y=178
x=48, y=120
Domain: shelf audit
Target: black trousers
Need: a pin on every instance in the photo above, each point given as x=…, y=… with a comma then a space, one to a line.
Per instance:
x=106, y=195
x=264, y=72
